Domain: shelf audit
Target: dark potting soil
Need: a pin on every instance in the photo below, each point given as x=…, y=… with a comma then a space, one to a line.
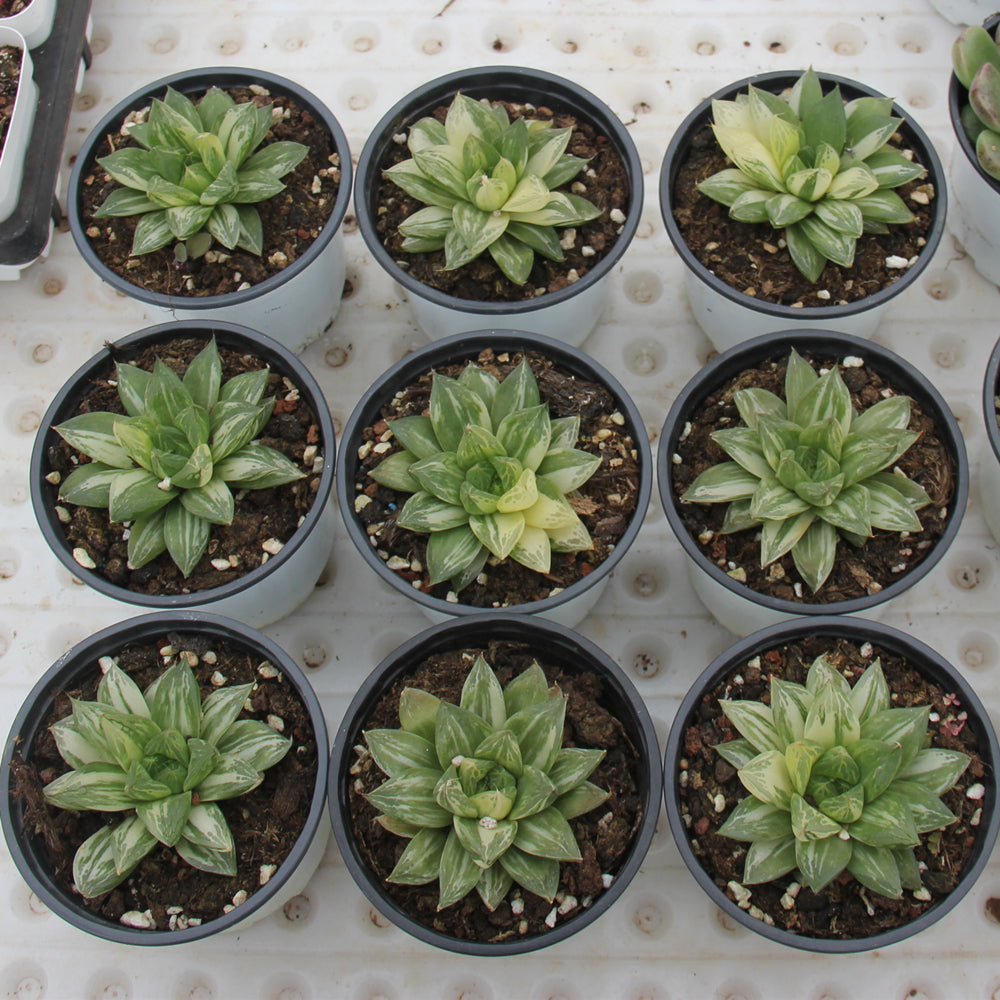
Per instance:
x=261, y=515
x=604, y=835
x=603, y=181
x=883, y=559
x=606, y=503
x=841, y=910
x=8, y=8
x=292, y=219
x=265, y=822
x=10, y=74
x=753, y=258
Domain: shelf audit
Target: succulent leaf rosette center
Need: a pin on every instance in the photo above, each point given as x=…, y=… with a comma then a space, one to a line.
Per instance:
x=483, y=790
x=809, y=467
x=489, y=472
x=838, y=780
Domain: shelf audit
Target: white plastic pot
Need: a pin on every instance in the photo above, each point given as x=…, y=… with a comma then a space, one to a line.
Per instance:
x=19, y=130
x=294, y=306
x=736, y=606
x=726, y=314
x=568, y=607
x=975, y=214
x=34, y=22
x=275, y=588
x=569, y=314
x=26, y=849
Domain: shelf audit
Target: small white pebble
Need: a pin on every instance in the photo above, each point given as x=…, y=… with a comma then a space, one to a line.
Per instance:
x=923, y=894
x=82, y=557
x=218, y=679
x=105, y=663
x=221, y=564
x=823, y=294
x=64, y=515
x=867, y=650
x=276, y=723
x=54, y=478
x=398, y=562
x=360, y=502
x=787, y=902
x=741, y=893
x=686, y=431
x=606, y=880
x=853, y=361
x=451, y=597
x=517, y=906
x=895, y=262
x=587, y=251
x=616, y=215
x=142, y=919
x=272, y=546
x=719, y=802
x=934, y=717
x=568, y=904
x=382, y=447
x=268, y=670
x=975, y=792
x=676, y=459
x=793, y=889
x=210, y=658
x=240, y=898
x=976, y=818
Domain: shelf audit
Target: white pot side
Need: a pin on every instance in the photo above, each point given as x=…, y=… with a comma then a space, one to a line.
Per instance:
x=34, y=22
x=19, y=130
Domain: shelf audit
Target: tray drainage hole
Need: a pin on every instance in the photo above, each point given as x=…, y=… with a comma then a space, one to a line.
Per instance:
x=941, y=286
x=648, y=919
x=705, y=48
x=228, y=45
x=286, y=987
x=846, y=40
x=913, y=38
x=735, y=990
x=646, y=583
x=161, y=39
x=294, y=36
x=298, y=909
x=978, y=650
x=108, y=984
x=992, y=910
x=9, y=564
x=337, y=356
x=314, y=655
x=643, y=287
x=24, y=416
x=778, y=46
x=501, y=36
x=645, y=664
x=194, y=986
x=84, y=101
x=644, y=357
x=431, y=40
x=363, y=37
x=948, y=352
x=967, y=572
x=42, y=353
x=920, y=96
x=377, y=919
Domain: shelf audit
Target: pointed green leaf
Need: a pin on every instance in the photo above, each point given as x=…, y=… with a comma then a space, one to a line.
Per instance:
x=420, y=862
x=870, y=694
x=799, y=759
x=766, y=777
x=165, y=818
x=905, y=726
x=755, y=722
x=876, y=869
x=820, y=861
x=95, y=786
x=815, y=552
x=538, y=729
x=755, y=820
x=547, y=835
x=738, y=752
x=94, y=870
x=252, y=743
x=768, y=860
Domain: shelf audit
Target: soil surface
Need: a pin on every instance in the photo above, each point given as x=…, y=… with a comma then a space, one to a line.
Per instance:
x=603, y=181
x=606, y=502
x=292, y=219
x=884, y=558
x=261, y=515
x=265, y=822
x=8, y=8
x=10, y=74
x=604, y=835
x=753, y=258
x=841, y=910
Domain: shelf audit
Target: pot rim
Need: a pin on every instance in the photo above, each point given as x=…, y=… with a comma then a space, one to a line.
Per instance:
x=723, y=366
x=467, y=346
x=193, y=81
x=548, y=636
x=43, y=498
x=990, y=392
x=486, y=80
x=926, y=661
x=701, y=115
x=82, y=658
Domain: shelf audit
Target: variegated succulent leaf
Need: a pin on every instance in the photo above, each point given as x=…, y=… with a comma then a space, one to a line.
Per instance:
x=196, y=173
x=168, y=465
x=812, y=166
x=163, y=757
x=838, y=780
x=490, y=473
x=484, y=790
x=976, y=62
x=490, y=185
x=809, y=468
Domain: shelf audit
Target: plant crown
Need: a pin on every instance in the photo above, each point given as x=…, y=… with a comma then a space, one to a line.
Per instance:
x=484, y=789
x=489, y=471
x=812, y=166
x=489, y=183
x=195, y=175
x=165, y=758
x=168, y=464
x=809, y=466
x=838, y=780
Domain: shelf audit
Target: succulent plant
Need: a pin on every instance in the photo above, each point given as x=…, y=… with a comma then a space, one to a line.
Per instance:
x=484, y=789
x=807, y=467
x=812, y=166
x=165, y=758
x=167, y=465
x=195, y=175
x=489, y=183
x=838, y=779
x=976, y=61
x=488, y=471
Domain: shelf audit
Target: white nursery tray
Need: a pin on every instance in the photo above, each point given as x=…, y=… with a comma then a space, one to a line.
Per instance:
x=651, y=62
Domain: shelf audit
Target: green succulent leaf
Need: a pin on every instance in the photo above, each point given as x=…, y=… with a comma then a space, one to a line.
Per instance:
x=821, y=860
x=768, y=860
x=753, y=820
x=253, y=744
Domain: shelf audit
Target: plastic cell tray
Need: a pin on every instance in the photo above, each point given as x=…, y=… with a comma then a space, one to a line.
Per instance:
x=651, y=62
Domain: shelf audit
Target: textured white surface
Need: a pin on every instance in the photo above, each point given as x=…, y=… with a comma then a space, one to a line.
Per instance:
x=650, y=62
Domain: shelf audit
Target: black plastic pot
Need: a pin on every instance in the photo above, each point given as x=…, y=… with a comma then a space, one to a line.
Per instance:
x=521, y=85
x=250, y=304
x=28, y=850
x=237, y=598
x=989, y=458
x=760, y=316
x=762, y=609
x=555, y=646
x=467, y=347
x=930, y=665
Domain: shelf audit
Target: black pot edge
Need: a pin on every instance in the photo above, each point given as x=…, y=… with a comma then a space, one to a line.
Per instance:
x=43, y=496
x=990, y=385
x=702, y=114
x=192, y=82
x=83, y=657
x=573, y=651
x=525, y=81
x=957, y=97
x=930, y=663
x=469, y=345
x=901, y=371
